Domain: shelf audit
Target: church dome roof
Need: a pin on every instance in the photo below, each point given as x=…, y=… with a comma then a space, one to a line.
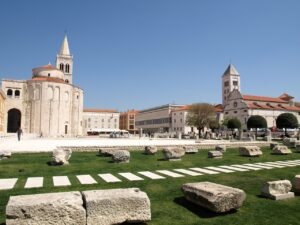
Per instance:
x=47, y=71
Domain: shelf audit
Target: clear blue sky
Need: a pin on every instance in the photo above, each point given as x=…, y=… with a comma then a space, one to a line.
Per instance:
x=143, y=53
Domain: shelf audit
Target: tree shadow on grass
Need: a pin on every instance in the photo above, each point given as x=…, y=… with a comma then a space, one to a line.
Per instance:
x=198, y=210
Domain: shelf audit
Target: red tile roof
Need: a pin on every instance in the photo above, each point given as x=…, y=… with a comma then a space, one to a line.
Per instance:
x=50, y=79
x=273, y=107
x=263, y=99
x=100, y=110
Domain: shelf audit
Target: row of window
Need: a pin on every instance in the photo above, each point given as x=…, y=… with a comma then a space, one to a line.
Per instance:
x=10, y=93
x=155, y=121
x=64, y=68
x=175, y=120
x=96, y=121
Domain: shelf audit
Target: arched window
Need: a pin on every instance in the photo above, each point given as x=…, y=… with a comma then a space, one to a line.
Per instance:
x=61, y=67
x=9, y=93
x=67, y=81
x=17, y=93
x=67, y=68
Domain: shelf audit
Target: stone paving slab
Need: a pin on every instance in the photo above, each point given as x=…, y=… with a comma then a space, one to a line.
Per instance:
x=170, y=173
x=270, y=164
x=34, y=182
x=151, y=175
x=219, y=169
x=246, y=167
x=234, y=168
x=131, y=176
x=201, y=170
x=282, y=164
x=258, y=166
x=59, y=181
x=86, y=179
x=188, y=172
x=9, y=183
x=109, y=178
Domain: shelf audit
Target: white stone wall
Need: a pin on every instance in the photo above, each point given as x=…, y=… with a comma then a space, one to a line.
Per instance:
x=47, y=108
x=100, y=120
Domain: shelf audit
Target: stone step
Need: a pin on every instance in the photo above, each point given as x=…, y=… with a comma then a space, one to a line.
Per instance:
x=109, y=178
x=86, y=179
x=151, y=175
x=170, y=173
x=59, y=181
x=131, y=176
x=188, y=172
x=34, y=182
x=9, y=183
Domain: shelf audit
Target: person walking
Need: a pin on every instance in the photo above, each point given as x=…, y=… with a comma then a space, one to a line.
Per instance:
x=19, y=132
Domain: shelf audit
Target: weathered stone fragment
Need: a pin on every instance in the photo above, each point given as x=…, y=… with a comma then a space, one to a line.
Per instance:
x=173, y=154
x=106, y=152
x=290, y=142
x=273, y=145
x=61, y=156
x=215, y=197
x=43, y=209
x=296, y=184
x=215, y=154
x=150, y=150
x=121, y=156
x=190, y=150
x=5, y=154
x=116, y=206
x=277, y=190
x=221, y=148
x=281, y=150
x=251, y=151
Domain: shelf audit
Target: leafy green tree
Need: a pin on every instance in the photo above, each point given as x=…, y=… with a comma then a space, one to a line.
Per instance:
x=256, y=122
x=201, y=115
x=234, y=123
x=287, y=121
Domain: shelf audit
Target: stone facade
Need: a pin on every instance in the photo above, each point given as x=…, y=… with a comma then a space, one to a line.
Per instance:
x=2, y=101
x=242, y=106
x=47, y=105
x=100, y=120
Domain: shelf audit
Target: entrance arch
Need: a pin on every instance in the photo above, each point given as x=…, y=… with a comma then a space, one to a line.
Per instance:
x=13, y=120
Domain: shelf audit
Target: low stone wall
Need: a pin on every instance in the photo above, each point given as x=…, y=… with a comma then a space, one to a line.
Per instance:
x=160, y=147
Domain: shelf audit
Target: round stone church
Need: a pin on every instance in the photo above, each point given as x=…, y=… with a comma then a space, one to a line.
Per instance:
x=48, y=104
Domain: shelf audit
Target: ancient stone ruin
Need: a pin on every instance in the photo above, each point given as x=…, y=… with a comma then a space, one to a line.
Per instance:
x=121, y=156
x=281, y=150
x=101, y=207
x=5, y=154
x=277, y=190
x=215, y=154
x=214, y=197
x=190, y=150
x=173, y=154
x=61, y=156
x=250, y=151
x=150, y=150
x=221, y=148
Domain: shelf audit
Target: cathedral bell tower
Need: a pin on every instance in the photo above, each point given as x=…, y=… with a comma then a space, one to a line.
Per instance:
x=230, y=81
x=64, y=61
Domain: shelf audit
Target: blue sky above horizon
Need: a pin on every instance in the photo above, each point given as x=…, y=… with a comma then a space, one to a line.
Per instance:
x=136, y=54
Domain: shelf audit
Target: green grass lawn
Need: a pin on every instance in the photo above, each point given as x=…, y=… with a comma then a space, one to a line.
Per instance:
x=167, y=203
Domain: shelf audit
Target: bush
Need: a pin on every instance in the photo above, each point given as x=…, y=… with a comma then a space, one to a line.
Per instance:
x=287, y=121
x=234, y=123
x=256, y=122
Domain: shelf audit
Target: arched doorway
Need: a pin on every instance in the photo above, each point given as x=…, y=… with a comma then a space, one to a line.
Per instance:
x=13, y=120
